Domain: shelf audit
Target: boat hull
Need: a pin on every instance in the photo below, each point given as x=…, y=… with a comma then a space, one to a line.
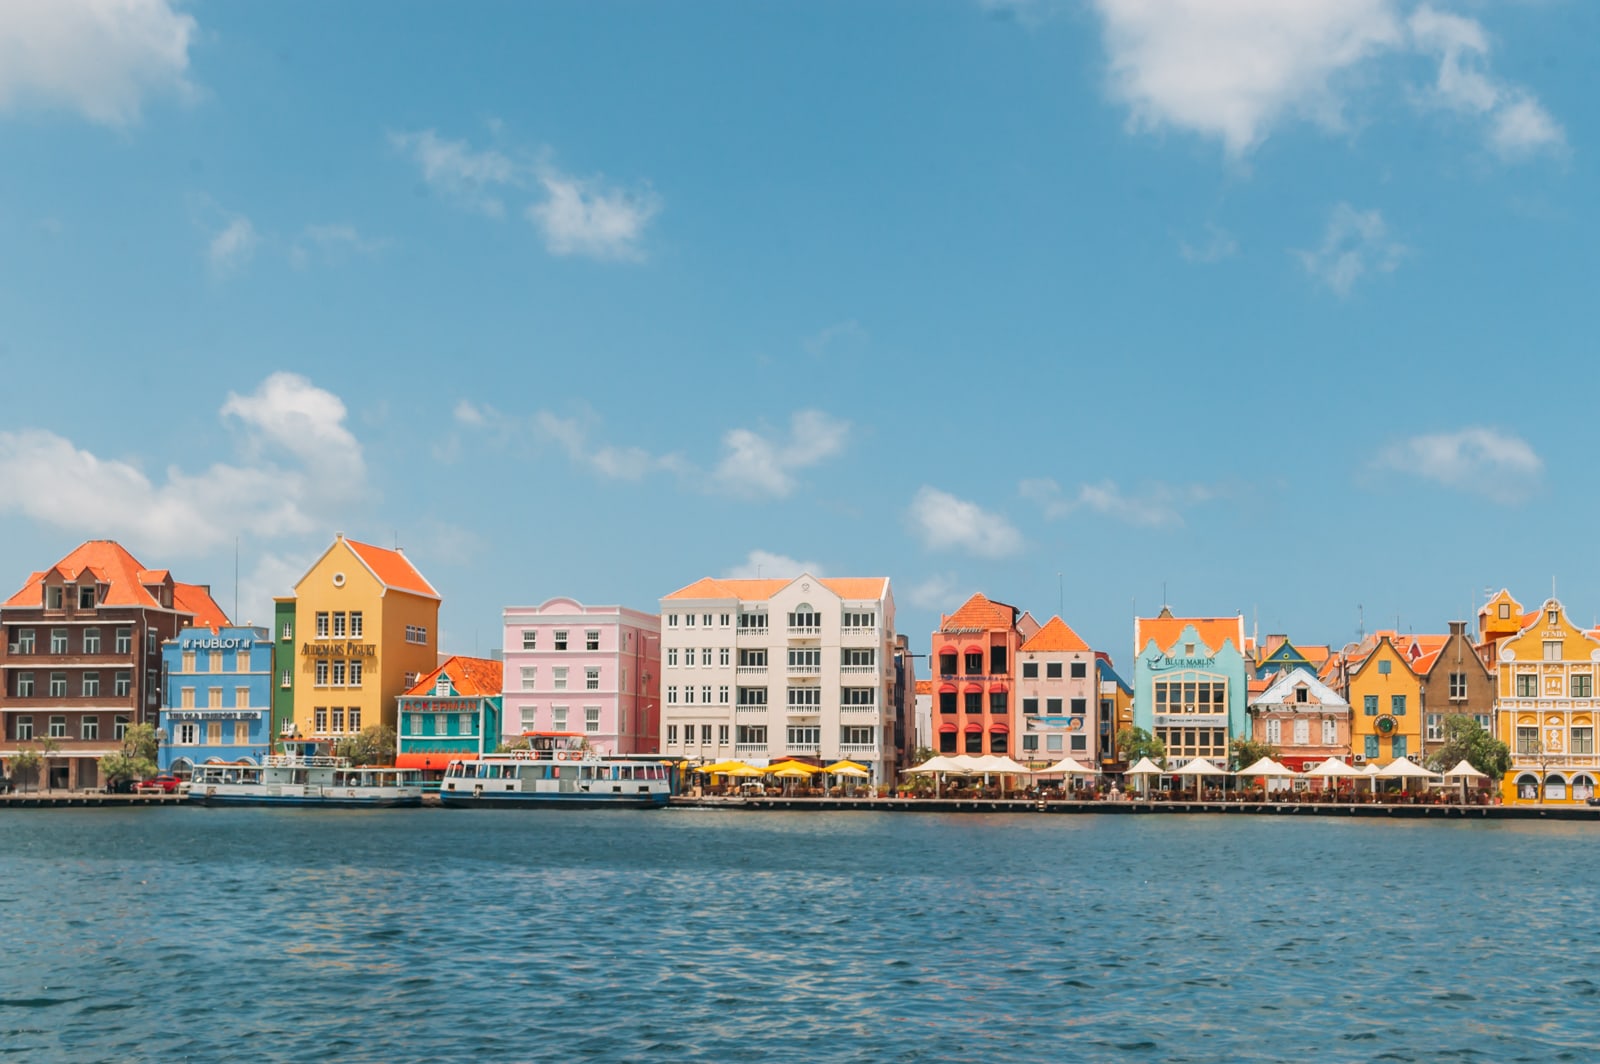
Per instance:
x=400, y=801
x=517, y=799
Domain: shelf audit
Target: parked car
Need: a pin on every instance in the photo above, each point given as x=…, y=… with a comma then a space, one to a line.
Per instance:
x=166, y=782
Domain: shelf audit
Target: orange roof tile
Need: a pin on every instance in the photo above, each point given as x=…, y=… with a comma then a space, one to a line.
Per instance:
x=1055, y=636
x=1166, y=630
x=105, y=559
x=196, y=599
x=748, y=590
x=1423, y=665
x=393, y=569
x=471, y=677
x=924, y=687
x=980, y=612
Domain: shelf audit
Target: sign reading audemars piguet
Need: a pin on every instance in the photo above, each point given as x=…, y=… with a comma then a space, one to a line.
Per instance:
x=340, y=650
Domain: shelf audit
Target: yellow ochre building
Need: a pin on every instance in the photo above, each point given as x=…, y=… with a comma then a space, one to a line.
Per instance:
x=361, y=626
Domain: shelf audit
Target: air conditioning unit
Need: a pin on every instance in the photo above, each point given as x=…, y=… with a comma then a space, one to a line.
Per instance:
x=1415, y=759
x=1358, y=759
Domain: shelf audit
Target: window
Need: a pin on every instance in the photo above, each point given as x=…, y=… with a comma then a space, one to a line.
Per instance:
x=355, y=718
x=355, y=674
x=558, y=718
x=1583, y=740
x=725, y=619
x=1582, y=685
x=530, y=718
x=672, y=695
x=1397, y=705
x=859, y=659
x=91, y=685
x=119, y=728
x=973, y=664
x=52, y=598
x=1527, y=740
x=1330, y=733
x=805, y=698
x=1030, y=670
x=466, y=724
x=672, y=620
x=1384, y=667
x=58, y=640
x=1397, y=746
x=122, y=684
x=804, y=735
x=591, y=678
x=58, y=727
x=1505, y=611
x=214, y=733
x=188, y=733
x=355, y=624
x=24, y=685
x=751, y=735
x=856, y=735
x=86, y=597
x=859, y=619
x=1030, y=743
x=688, y=620
x=338, y=674
x=805, y=659
x=1370, y=747
x=591, y=719
x=723, y=656
x=561, y=639
x=1080, y=743
x=1080, y=706
x=804, y=618
x=1080, y=670
x=705, y=733
x=591, y=639
x=1191, y=696
x=24, y=729
x=688, y=693
x=858, y=696
x=705, y=656
x=1274, y=732
x=288, y=632
x=322, y=624
x=1302, y=732
x=91, y=640
x=1052, y=706
x=1527, y=685
x=752, y=696
x=1552, y=650
x=413, y=723
x=973, y=701
x=339, y=625
x=338, y=719
x=530, y=639
x=320, y=674
x=213, y=698
x=286, y=681
x=1052, y=670
x=722, y=695
x=187, y=662
x=705, y=694
x=753, y=622
x=24, y=640
x=58, y=685
x=530, y=674
x=241, y=733
x=1458, y=687
x=124, y=641
x=1369, y=706
x=947, y=701
x=417, y=634
x=1030, y=705
x=1433, y=724
x=722, y=729
x=1301, y=694
x=672, y=733
x=997, y=702
x=559, y=677
x=186, y=698
x=672, y=656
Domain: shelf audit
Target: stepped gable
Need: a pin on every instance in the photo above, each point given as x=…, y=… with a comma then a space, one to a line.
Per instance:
x=1167, y=631
x=392, y=568
x=1056, y=636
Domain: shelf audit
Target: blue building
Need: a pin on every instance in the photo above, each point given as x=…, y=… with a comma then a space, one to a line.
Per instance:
x=216, y=702
x=1190, y=684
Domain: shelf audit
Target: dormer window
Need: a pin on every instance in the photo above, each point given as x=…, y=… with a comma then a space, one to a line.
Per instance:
x=52, y=597
x=442, y=689
x=1188, y=650
x=1505, y=611
x=1552, y=617
x=86, y=597
x=1300, y=694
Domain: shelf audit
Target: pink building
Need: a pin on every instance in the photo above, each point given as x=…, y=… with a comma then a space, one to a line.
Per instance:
x=594, y=670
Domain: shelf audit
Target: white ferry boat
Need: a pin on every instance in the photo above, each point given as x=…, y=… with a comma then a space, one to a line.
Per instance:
x=557, y=770
x=305, y=774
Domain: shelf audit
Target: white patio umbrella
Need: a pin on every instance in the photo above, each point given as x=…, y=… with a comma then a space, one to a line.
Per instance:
x=1402, y=769
x=1197, y=768
x=1268, y=768
x=1144, y=767
x=939, y=767
x=1000, y=763
x=1067, y=766
x=1332, y=769
x=1464, y=772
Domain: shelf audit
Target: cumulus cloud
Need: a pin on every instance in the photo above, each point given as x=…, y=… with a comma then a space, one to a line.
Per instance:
x=944, y=522
x=1354, y=243
x=1218, y=244
x=1500, y=466
x=332, y=242
x=232, y=248
x=760, y=563
x=757, y=465
x=1236, y=70
x=467, y=175
x=612, y=462
x=101, y=58
x=585, y=217
x=48, y=478
x=1152, y=506
x=469, y=413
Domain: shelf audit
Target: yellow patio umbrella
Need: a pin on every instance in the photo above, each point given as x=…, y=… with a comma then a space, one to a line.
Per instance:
x=804, y=770
x=745, y=771
x=843, y=768
x=722, y=768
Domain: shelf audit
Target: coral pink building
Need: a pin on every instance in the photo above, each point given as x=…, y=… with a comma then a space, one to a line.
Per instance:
x=595, y=670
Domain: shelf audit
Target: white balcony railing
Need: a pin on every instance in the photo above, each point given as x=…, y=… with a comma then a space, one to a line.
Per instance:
x=805, y=629
x=804, y=670
x=750, y=709
x=752, y=670
x=858, y=709
x=803, y=748
x=858, y=749
x=749, y=749
x=857, y=670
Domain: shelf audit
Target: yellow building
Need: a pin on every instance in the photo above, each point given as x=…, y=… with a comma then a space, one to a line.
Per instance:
x=1545, y=708
x=365, y=626
x=1385, y=699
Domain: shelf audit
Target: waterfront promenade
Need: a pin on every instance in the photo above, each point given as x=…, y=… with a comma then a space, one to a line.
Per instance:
x=1422, y=811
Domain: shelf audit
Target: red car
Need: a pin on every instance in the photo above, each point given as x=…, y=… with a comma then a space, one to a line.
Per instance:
x=164, y=782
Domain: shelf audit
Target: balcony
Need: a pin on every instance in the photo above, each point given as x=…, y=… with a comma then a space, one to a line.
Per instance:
x=857, y=670
x=803, y=748
x=762, y=708
x=867, y=750
x=803, y=670
x=804, y=631
x=751, y=670
x=873, y=709
x=750, y=750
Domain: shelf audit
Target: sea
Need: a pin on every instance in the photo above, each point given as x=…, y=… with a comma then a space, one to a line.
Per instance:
x=192, y=934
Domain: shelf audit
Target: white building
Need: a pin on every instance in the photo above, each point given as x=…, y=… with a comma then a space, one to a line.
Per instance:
x=768, y=670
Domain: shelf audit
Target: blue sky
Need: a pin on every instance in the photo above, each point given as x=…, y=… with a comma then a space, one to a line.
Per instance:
x=1286, y=309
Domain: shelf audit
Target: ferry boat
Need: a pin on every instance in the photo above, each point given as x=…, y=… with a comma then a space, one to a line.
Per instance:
x=557, y=770
x=306, y=773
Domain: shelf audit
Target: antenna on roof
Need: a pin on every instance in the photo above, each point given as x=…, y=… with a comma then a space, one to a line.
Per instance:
x=235, y=579
x=1361, y=623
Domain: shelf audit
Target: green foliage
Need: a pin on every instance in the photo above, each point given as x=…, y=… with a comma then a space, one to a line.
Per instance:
x=1134, y=743
x=519, y=743
x=139, y=742
x=374, y=746
x=924, y=754
x=1466, y=739
x=25, y=765
x=1248, y=752
x=123, y=766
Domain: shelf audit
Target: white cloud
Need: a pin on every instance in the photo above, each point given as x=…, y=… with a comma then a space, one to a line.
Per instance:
x=584, y=218
x=333, y=241
x=469, y=413
x=760, y=465
x=848, y=333
x=1500, y=466
x=1153, y=506
x=614, y=463
x=1354, y=243
x=1518, y=125
x=760, y=563
x=233, y=247
x=944, y=522
x=101, y=58
x=49, y=479
x=1219, y=244
x=1234, y=69
x=937, y=592
x=459, y=171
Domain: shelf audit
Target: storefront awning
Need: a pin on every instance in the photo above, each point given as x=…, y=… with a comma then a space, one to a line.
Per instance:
x=436, y=759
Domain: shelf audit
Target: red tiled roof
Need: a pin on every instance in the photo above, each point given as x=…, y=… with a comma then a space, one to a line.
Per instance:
x=196, y=599
x=980, y=612
x=108, y=562
x=471, y=677
x=746, y=590
x=1055, y=636
x=1167, y=630
x=393, y=569
x=924, y=687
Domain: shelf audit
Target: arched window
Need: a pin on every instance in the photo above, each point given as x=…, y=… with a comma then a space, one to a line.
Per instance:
x=1528, y=786
x=1582, y=787
x=1555, y=788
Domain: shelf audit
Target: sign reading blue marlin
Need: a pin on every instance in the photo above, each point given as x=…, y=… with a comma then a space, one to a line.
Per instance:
x=1162, y=661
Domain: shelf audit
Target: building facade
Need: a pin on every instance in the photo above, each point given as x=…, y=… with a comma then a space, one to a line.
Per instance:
x=1385, y=699
x=769, y=670
x=365, y=627
x=589, y=669
x=1190, y=684
x=452, y=712
x=1305, y=719
x=216, y=697
x=1058, y=696
x=1455, y=682
x=81, y=658
x=1116, y=709
x=974, y=653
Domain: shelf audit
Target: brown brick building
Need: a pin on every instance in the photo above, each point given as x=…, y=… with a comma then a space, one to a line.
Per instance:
x=1454, y=682
x=81, y=657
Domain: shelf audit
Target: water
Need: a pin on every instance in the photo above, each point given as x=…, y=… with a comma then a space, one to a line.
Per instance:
x=206, y=935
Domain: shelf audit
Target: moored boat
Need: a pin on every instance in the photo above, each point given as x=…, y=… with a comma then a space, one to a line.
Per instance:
x=306, y=773
x=557, y=771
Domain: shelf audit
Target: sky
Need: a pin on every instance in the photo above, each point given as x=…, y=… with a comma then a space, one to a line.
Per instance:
x=1088, y=305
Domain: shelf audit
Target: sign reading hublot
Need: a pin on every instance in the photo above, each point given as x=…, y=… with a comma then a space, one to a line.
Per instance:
x=216, y=643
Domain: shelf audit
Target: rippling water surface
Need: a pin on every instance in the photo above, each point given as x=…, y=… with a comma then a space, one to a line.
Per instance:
x=205, y=935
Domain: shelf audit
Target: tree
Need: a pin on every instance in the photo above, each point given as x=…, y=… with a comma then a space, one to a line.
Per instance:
x=1248, y=752
x=1467, y=740
x=508, y=745
x=1134, y=743
x=374, y=746
x=25, y=763
x=923, y=755
x=47, y=750
x=141, y=741
x=136, y=760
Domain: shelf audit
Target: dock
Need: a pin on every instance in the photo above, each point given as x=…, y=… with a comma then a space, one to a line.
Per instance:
x=79, y=799
x=1138, y=808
